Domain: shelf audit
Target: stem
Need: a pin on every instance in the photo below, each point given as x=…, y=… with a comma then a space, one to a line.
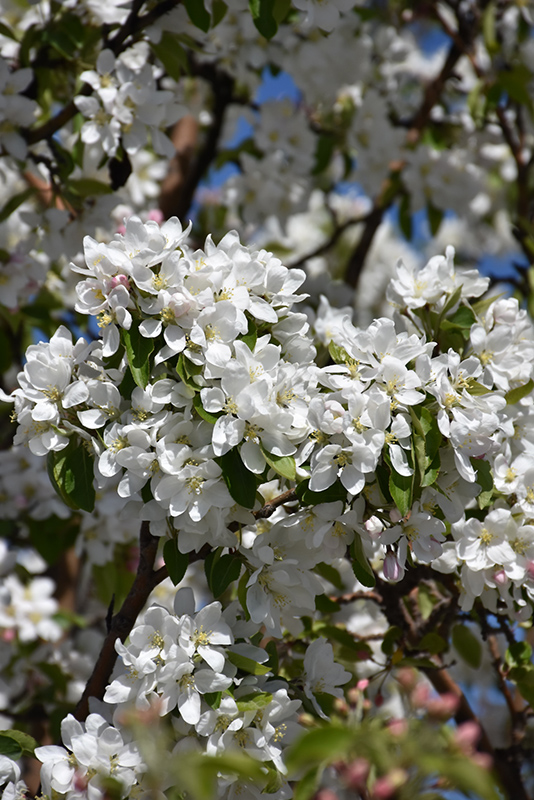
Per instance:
x=122, y=623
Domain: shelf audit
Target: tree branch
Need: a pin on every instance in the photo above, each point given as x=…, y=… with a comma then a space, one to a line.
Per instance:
x=133, y=25
x=270, y=508
x=122, y=623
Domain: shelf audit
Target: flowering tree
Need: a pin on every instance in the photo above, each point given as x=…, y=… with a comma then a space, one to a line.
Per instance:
x=267, y=476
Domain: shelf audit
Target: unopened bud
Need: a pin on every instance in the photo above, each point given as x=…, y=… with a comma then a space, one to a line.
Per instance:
x=443, y=707
x=392, y=569
x=500, y=577
x=407, y=677
x=398, y=727
x=386, y=786
x=356, y=773
x=467, y=735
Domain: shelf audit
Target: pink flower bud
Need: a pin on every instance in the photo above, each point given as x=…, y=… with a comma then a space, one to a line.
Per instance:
x=420, y=695
x=443, y=707
x=386, y=786
x=392, y=569
x=500, y=578
x=395, y=515
x=398, y=727
x=362, y=684
x=530, y=570
x=467, y=735
x=326, y=794
x=120, y=280
x=8, y=635
x=356, y=773
x=157, y=215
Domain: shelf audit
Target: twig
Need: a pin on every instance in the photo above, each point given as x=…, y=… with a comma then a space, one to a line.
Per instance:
x=270, y=508
x=133, y=25
x=385, y=200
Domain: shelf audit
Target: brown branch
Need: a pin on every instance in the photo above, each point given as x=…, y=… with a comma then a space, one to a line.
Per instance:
x=133, y=25
x=184, y=138
x=385, y=200
x=122, y=623
x=270, y=508
x=506, y=767
x=330, y=242
x=180, y=189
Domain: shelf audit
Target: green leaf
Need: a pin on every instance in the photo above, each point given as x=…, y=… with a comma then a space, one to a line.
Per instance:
x=433, y=643
x=52, y=536
x=323, y=152
x=319, y=746
x=360, y=564
x=241, y=483
x=26, y=742
x=308, y=498
x=138, y=349
x=425, y=600
x=517, y=394
x=213, y=699
x=246, y=664
x=14, y=202
x=515, y=82
x=89, y=187
x=405, y=217
x=172, y=55
x=463, y=317
x=467, y=645
x=201, y=411
x=113, y=581
x=5, y=30
x=389, y=642
x=518, y=654
x=198, y=15
x=221, y=571
x=330, y=573
x=475, y=388
x=435, y=217
x=175, y=561
x=338, y=354
x=254, y=701
x=325, y=605
x=9, y=747
x=283, y=465
x=451, y=302
x=306, y=787
x=251, y=336
x=400, y=487
x=71, y=472
x=185, y=370
x=485, y=481
x=218, y=12
x=263, y=16
x=272, y=649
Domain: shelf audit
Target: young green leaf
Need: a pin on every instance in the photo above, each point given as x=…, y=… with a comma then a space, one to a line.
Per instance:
x=71, y=472
x=138, y=350
x=283, y=465
x=175, y=561
x=241, y=483
x=467, y=645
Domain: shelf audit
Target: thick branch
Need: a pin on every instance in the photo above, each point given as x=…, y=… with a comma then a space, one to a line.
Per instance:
x=123, y=622
x=133, y=25
x=177, y=195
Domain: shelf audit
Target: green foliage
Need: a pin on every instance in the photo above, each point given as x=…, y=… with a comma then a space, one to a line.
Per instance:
x=241, y=483
x=308, y=498
x=360, y=565
x=138, y=350
x=221, y=570
x=71, y=472
x=175, y=561
x=282, y=465
x=467, y=645
x=263, y=14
